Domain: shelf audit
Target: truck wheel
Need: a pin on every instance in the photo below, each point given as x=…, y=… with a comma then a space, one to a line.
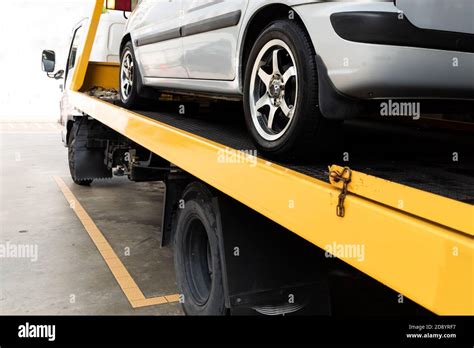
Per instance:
x=281, y=93
x=72, y=161
x=198, y=255
x=128, y=77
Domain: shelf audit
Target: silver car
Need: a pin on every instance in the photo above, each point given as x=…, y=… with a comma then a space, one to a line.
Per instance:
x=300, y=66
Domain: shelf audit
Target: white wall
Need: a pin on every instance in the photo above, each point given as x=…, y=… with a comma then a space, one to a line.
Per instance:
x=28, y=27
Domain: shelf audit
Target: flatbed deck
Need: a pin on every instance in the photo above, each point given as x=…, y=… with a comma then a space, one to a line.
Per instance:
x=408, y=155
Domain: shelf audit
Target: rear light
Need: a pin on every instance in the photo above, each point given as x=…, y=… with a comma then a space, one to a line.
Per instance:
x=120, y=5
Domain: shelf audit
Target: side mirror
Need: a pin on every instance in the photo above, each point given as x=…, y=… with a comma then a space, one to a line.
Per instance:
x=48, y=61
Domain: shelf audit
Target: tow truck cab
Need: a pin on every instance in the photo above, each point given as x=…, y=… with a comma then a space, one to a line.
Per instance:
x=105, y=50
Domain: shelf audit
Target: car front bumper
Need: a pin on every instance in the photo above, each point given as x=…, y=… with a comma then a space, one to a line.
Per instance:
x=403, y=63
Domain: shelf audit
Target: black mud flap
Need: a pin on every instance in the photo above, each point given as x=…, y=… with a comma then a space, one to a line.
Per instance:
x=87, y=155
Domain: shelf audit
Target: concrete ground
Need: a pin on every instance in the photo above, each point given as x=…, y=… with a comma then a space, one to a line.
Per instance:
x=70, y=276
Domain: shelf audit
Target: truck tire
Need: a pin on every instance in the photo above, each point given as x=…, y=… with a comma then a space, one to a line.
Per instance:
x=72, y=161
x=197, y=254
x=129, y=75
x=281, y=94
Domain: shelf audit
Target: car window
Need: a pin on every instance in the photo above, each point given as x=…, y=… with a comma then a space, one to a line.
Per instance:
x=73, y=52
x=74, y=47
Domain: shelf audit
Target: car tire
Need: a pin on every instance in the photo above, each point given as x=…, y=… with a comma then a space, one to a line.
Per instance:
x=198, y=255
x=129, y=75
x=72, y=161
x=299, y=129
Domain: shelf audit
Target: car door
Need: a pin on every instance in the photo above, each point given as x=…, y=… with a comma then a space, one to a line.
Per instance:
x=444, y=15
x=155, y=27
x=210, y=34
x=74, y=52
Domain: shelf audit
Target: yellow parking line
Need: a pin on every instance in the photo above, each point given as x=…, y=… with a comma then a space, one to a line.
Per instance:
x=122, y=276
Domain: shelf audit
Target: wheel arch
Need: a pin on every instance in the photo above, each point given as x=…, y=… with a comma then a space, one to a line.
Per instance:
x=125, y=39
x=255, y=26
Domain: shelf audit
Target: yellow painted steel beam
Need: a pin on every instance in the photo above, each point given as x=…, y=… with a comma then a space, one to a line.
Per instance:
x=83, y=59
x=426, y=262
x=448, y=212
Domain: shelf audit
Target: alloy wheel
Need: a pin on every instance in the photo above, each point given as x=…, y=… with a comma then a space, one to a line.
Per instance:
x=273, y=90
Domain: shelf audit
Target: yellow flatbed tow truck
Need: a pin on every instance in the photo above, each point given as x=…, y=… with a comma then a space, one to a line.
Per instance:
x=406, y=221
